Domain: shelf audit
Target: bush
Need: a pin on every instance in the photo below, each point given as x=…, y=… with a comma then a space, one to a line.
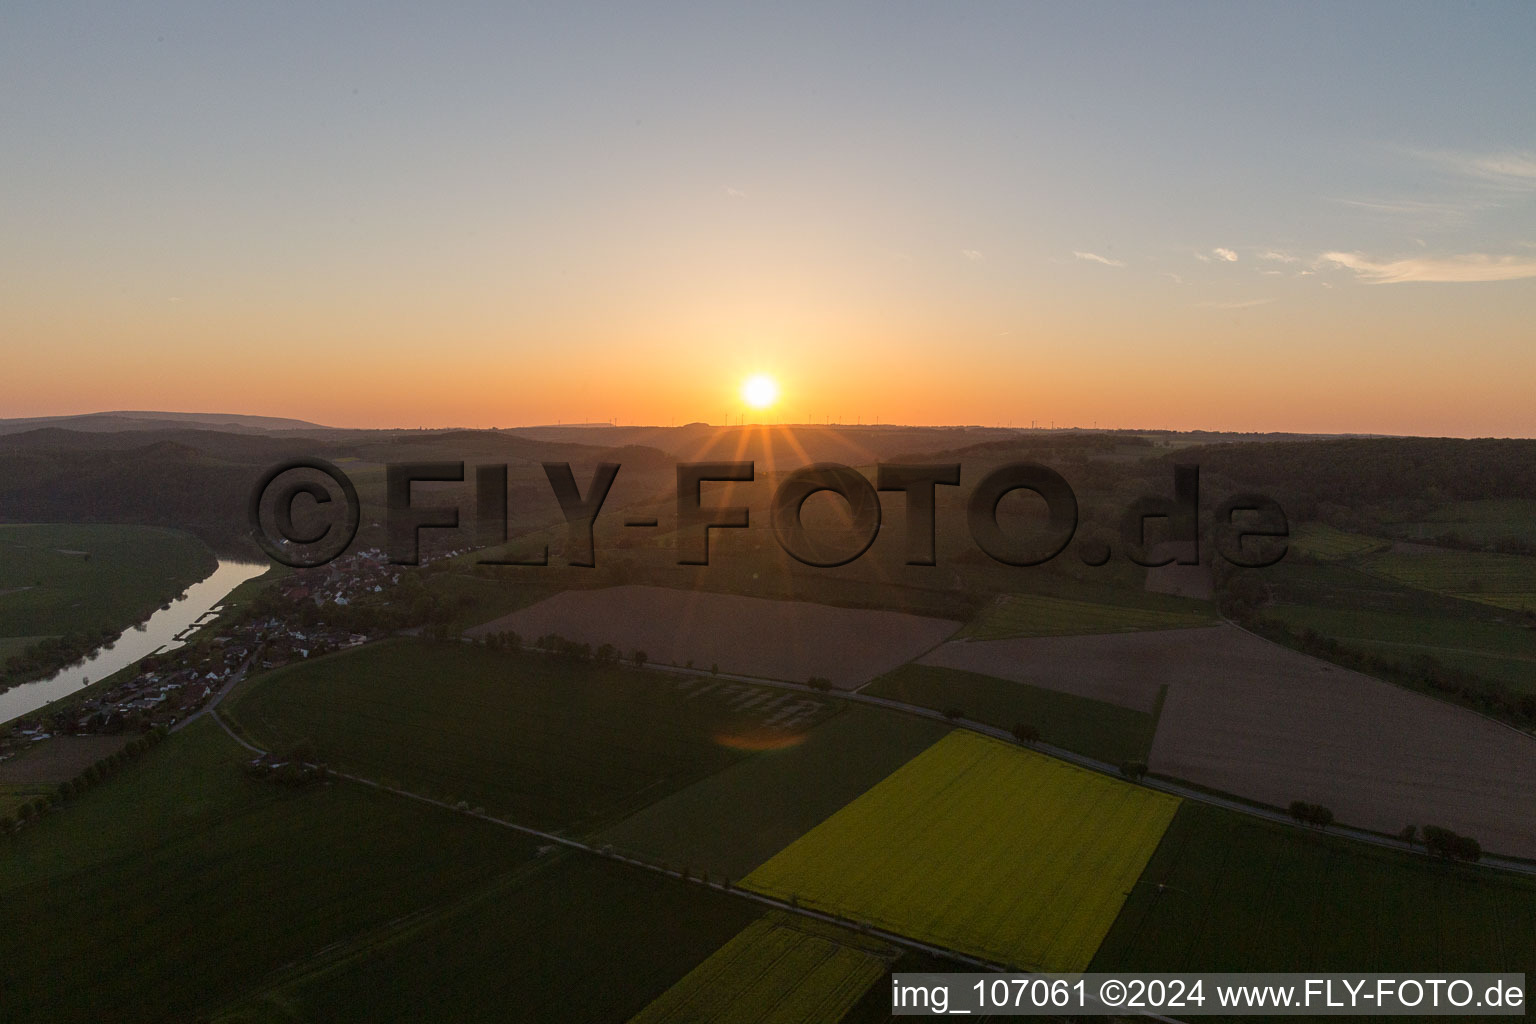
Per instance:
x=1442, y=842
x=821, y=683
x=1311, y=814
x=1025, y=732
x=1133, y=769
x=954, y=713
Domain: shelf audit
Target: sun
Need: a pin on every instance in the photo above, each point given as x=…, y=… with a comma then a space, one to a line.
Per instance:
x=760, y=392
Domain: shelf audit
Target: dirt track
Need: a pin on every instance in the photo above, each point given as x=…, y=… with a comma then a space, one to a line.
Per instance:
x=1251, y=718
x=791, y=640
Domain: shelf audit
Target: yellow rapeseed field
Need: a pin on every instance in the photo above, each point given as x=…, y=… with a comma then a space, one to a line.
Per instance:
x=779, y=970
x=983, y=847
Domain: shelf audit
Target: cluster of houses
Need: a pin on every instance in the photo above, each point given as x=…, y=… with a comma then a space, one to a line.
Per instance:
x=173, y=685
x=343, y=581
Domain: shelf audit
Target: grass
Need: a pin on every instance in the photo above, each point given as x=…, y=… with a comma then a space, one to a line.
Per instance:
x=780, y=970
x=57, y=579
x=543, y=741
x=1249, y=895
x=1478, y=522
x=14, y=794
x=1496, y=651
x=574, y=939
x=1015, y=615
x=1503, y=581
x=1095, y=728
x=984, y=848
x=1323, y=543
x=180, y=883
x=733, y=821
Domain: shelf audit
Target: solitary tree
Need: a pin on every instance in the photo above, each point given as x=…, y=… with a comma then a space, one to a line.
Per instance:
x=640, y=659
x=1026, y=733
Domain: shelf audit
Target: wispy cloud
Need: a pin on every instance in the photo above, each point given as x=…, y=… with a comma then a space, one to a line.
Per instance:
x=1468, y=268
x=1235, y=305
x=974, y=255
x=1276, y=256
x=1513, y=169
x=734, y=193
x=1093, y=257
x=1421, y=208
x=1224, y=254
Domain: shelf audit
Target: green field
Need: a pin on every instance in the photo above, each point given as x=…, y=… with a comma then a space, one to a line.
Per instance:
x=1249, y=895
x=574, y=939
x=57, y=579
x=1323, y=543
x=1503, y=581
x=540, y=740
x=1498, y=651
x=780, y=970
x=1478, y=522
x=981, y=847
x=1011, y=615
x=172, y=888
x=733, y=821
x=14, y=794
x=1093, y=727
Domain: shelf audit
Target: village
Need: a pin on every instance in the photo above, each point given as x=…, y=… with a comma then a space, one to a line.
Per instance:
x=286, y=624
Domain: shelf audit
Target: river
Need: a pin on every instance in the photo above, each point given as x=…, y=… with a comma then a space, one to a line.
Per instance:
x=165, y=630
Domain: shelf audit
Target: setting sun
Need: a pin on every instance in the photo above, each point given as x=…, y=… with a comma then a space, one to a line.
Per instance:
x=760, y=392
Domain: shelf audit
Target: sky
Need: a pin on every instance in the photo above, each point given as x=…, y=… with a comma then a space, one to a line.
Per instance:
x=1303, y=217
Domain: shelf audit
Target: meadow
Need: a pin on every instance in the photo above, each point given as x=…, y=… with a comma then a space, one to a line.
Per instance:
x=1494, y=650
x=780, y=970
x=1096, y=728
x=1323, y=543
x=1490, y=522
x=733, y=821
x=981, y=847
x=1013, y=615
x=1248, y=895
x=541, y=740
x=1503, y=581
x=59, y=580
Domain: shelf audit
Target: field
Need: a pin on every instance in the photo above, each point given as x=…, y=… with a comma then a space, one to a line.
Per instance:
x=790, y=640
x=1503, y=581
x=1248, y=895
x=1102, y=668
x=734, y=820
x=541, y=740
x=574, y=938
x=1248, y=717
x=1323, y=543
x=59, y=759
x=56, y=579
x=1478, y=522
x=1252, y=718
x=981, y=847
x=1499, y=651
x=1093, y=727
x=780, y=970
x=1016, y=615
x=168, y=890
